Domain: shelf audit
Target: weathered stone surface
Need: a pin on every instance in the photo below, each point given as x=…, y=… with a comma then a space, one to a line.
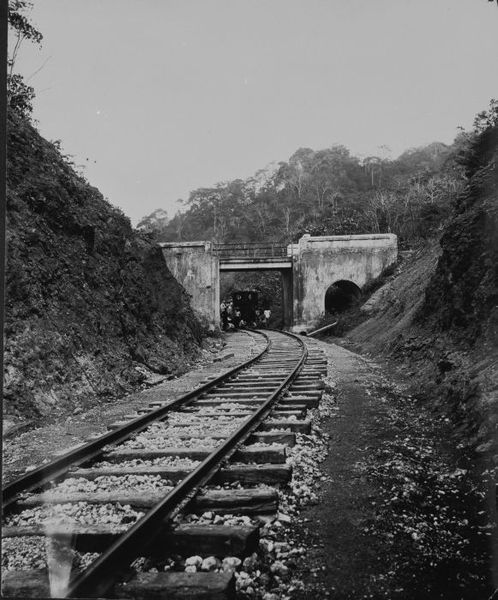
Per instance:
x=194, y=265
x=322, y=261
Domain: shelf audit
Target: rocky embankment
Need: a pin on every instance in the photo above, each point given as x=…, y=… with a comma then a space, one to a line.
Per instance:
x=439, y=317
x=91, y=308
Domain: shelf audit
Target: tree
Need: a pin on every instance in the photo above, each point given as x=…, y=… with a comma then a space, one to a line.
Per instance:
x=334, y=173
x=486, y=118
x=329, y=192
x=19, y=94
x=295, y=173
x=156, y=221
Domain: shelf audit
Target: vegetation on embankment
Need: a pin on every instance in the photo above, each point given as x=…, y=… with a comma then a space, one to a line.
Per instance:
x=91, y=307
x=439, y=317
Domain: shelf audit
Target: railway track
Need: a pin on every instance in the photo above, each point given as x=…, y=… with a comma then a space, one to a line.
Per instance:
x=160, y=485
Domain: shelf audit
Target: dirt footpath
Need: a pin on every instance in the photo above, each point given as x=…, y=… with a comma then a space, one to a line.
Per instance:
x=400, y=515
x=31, y=448
x=343, y=556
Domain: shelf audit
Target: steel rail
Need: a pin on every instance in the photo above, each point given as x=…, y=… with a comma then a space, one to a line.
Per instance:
x=96, y=580
x=95, y=448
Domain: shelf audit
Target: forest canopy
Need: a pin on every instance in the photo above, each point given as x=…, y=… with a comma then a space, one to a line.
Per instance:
x=328, y=192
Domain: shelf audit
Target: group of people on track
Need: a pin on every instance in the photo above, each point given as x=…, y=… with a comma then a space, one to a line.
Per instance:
x=232, y=317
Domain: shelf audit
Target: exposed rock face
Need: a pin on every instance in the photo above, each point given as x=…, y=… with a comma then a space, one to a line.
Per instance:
x=89, y=301
x=461, y=301
x=463, y=292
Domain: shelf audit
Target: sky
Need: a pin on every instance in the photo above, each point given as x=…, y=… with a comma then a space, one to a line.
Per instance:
x=155, y=98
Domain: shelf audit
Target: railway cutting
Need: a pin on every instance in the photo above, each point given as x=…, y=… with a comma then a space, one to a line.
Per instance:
x=114, y=516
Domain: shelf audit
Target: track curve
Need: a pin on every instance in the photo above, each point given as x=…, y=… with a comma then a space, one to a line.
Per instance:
x=226, y=412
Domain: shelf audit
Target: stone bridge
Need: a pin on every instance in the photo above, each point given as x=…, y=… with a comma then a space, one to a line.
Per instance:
x=311, y=270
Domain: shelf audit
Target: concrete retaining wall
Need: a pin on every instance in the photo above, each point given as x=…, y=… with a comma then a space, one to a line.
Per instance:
x=194, y=265
x=317, y=263
x=321, y=261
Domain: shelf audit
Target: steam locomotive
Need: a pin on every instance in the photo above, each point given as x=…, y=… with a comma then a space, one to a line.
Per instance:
x=247, y=303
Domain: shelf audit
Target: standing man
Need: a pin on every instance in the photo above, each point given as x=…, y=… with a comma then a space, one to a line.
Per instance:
x=223, y=314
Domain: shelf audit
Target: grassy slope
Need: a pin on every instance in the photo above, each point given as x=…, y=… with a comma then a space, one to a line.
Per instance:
x=88, y=299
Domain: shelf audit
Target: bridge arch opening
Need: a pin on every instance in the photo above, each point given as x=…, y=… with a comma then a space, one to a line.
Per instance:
x=341, y=295
x=272, y=291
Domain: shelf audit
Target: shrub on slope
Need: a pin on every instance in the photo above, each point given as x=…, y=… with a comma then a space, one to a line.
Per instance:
x=87, y=298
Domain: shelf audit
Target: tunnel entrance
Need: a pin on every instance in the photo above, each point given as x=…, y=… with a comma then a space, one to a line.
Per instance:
x=341, y=295
x=268, y=290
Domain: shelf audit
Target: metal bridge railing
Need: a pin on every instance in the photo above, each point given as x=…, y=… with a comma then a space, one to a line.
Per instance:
x=247, y=250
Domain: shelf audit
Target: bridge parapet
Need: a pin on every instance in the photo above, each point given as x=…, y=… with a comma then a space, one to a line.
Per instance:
x=309, y=269
x=250, y=250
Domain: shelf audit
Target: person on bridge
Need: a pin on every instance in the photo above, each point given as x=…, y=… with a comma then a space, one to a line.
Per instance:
x=266, y=317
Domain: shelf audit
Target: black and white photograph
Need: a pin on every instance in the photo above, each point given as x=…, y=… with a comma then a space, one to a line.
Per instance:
x=250, y=300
